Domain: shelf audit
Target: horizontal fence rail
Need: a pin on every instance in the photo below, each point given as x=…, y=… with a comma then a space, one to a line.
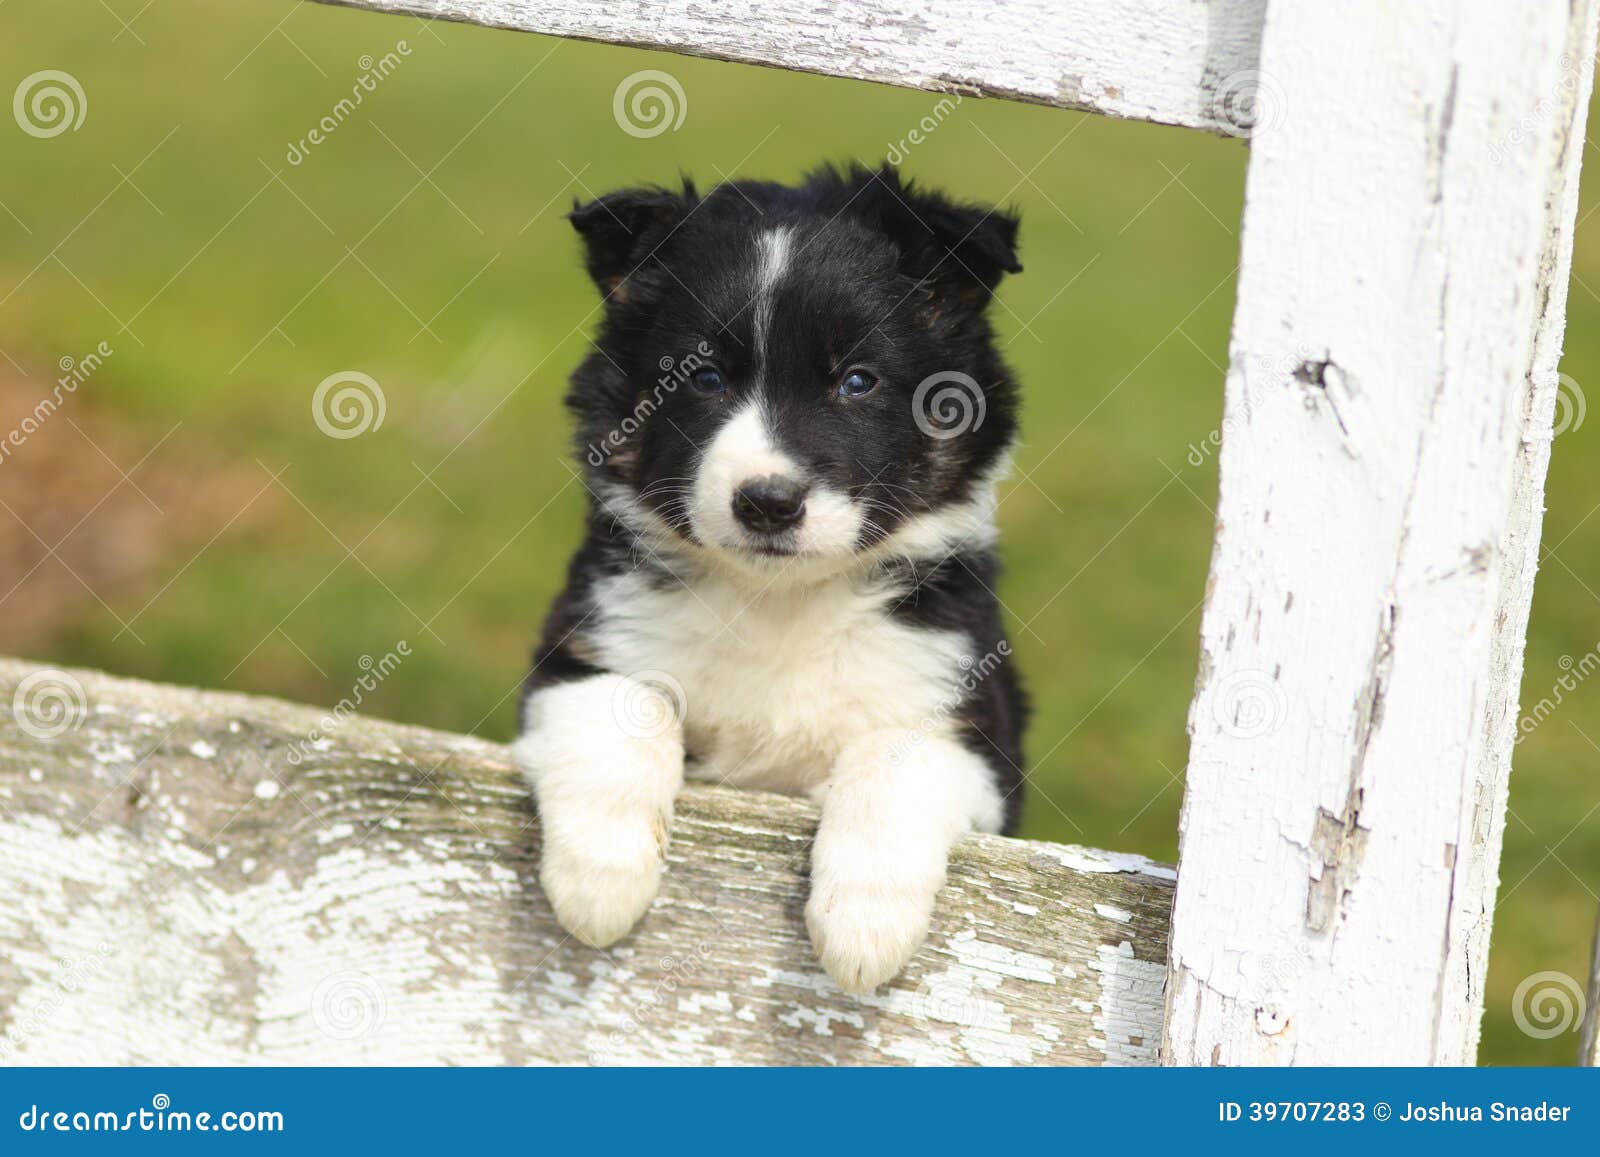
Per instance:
x=1186, y=63
x=202, y=878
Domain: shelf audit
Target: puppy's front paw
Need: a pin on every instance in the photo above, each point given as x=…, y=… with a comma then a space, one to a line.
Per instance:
x=864, y=933
x=601, y=882
x=605, y=792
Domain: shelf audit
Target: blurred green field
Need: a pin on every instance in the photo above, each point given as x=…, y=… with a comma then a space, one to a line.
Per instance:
x=423, y=243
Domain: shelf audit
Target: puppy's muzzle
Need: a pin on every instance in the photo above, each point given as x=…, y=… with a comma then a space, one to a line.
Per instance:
x=770, y=505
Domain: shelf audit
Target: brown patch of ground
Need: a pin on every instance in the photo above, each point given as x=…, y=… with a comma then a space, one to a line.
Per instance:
x=95, y=516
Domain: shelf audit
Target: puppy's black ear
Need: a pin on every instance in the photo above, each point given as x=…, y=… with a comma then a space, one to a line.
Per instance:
x=621, y=230
x=967, y=248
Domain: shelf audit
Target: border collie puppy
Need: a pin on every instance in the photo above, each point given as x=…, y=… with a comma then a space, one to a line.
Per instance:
x=791, y=428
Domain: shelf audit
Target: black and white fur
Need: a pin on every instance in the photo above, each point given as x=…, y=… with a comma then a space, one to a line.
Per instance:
x=787, y=578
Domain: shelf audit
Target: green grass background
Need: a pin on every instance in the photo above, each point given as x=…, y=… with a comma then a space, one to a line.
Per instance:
x=241, y=291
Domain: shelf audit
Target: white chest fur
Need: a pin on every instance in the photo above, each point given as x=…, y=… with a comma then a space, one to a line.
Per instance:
x=774, y=682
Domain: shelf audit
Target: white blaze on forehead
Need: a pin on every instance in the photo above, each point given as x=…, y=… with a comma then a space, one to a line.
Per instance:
x=772, y=259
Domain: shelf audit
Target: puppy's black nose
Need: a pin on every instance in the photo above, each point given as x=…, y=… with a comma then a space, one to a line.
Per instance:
x=771, y=504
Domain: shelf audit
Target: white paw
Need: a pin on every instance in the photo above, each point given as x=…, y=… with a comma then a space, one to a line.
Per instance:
x=605, y=796
x=601, y=879
x=865, y=933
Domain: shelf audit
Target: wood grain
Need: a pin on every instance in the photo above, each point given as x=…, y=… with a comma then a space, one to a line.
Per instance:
x=1388, y=422
x=1180, y=62
x=178, y=891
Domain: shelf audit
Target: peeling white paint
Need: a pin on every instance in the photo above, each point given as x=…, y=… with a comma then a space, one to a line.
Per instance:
x=1175, y=63
x=1094, y=860
x=1132, y=994
x=1388, y=412
x=335, y=927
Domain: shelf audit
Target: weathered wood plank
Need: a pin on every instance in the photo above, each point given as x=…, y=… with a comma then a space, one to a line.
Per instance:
x=1407, y=243
x=1181, y=62
x=178, y=890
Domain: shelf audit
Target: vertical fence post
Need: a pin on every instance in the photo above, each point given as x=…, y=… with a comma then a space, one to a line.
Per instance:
x=1407, y=242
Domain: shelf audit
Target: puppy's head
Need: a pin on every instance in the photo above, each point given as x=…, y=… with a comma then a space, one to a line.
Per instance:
x=794, y=375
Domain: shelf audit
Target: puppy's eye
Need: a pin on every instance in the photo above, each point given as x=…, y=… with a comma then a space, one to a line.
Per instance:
x=708, y=381
x=856, y=383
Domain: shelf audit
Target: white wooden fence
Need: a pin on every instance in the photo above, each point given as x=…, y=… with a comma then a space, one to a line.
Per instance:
x=1406, y=247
